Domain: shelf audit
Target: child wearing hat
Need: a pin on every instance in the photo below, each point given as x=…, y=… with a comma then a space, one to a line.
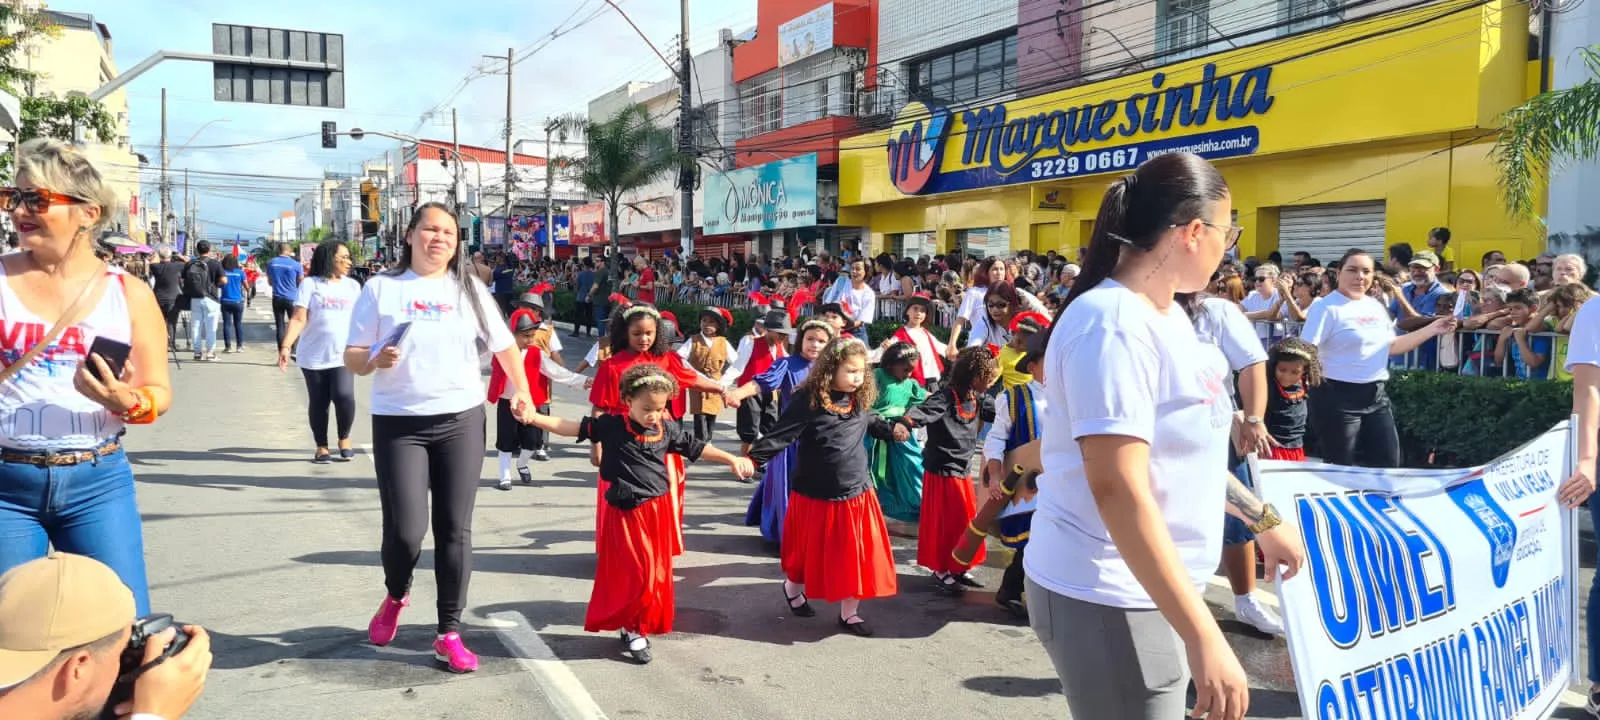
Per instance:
x=512, y=436
x=709, y=353
x=549, y=343
x=768, y=341
x=930, y=350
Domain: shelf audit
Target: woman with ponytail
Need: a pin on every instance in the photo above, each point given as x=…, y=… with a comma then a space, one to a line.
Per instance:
x=415, y=329
x=1127, y=527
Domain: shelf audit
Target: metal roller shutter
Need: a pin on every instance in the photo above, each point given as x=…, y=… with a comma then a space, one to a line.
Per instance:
x=1328, y=230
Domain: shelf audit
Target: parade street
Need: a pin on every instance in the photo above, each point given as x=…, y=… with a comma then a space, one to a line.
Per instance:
x=278, y=558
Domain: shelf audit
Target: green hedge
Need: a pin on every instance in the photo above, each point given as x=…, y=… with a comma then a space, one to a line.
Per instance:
x=1450, y=420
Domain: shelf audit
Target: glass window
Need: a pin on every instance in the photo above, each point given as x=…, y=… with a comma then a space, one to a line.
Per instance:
x=991, y=55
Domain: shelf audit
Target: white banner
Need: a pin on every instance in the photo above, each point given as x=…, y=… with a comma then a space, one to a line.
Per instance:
x=1431, y=594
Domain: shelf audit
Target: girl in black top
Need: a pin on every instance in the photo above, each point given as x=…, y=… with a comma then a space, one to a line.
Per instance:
x=633, y=578
x=953, y=416
x=1293, y=366
x=835, y=542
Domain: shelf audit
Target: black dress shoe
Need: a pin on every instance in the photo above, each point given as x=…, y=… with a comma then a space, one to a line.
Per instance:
x=804, y=609
x=968, y=580
x=859, y=627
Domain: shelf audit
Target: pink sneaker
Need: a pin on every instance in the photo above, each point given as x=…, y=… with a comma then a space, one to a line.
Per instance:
x=449, y=650
x=386, y=622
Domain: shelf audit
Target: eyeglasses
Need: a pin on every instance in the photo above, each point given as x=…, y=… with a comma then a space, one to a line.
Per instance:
x=1230, y=233
x=37, y=200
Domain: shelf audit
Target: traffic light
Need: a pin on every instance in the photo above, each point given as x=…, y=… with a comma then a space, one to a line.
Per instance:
x=330, y=139
x=444, y=158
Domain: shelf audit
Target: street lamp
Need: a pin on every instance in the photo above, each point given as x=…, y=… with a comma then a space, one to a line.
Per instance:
x=185, y=145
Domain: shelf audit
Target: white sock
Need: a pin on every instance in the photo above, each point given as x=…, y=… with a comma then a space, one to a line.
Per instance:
x=1244, y=599
x=848, y=608
x=505, y=466
x=522, y=460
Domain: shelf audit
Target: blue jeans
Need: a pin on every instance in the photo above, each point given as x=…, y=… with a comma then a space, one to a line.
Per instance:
x=602, y=314
x=203, y=316
x=84, y=509
x=1234, y=531
x=232, y=324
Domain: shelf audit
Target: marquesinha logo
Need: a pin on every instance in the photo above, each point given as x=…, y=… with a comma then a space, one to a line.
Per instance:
x=915, y=154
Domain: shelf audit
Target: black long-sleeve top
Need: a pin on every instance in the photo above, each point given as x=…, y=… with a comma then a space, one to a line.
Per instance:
x=952, y=439
x=636, y=470
x=831, y=462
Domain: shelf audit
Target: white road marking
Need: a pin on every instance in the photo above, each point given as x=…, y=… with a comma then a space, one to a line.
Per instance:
x=366, y=450
x=567, y=696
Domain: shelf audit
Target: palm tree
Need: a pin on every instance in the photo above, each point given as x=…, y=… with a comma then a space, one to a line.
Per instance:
x=1554, y=127
x=624, y=153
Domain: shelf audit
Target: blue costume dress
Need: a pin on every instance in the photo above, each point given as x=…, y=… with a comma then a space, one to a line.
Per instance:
x=771, y=500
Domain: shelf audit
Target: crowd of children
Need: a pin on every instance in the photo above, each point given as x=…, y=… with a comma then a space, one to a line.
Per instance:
x=843, y=450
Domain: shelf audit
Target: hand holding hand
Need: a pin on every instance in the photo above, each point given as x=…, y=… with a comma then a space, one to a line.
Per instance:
x=901, y=434
x=743, y=467
x=588, y=383
x=115, y=394
x=522, y=407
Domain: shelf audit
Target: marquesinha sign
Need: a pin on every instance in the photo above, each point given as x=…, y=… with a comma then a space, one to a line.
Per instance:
x=999, y=146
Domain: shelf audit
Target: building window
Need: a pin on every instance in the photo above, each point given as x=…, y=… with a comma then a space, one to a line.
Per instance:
x=968, y=73
x=1303, y=15
x=912, y=245
x=1184, y=28
x=985, y=242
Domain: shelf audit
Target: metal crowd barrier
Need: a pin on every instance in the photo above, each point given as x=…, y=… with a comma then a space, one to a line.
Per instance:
x=1466, y=352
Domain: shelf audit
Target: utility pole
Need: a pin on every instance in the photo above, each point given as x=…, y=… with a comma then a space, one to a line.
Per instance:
x=549, y=195
x=455, y=163
x=511, y=62
x=188, y=204
x=166, y=189
x=685, y=137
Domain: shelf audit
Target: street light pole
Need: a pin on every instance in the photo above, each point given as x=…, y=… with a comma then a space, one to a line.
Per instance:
x=549, y=195
x=686, y=158
x=166, y=189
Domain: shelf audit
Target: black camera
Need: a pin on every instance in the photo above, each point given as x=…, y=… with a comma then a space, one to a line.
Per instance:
x=133, y=664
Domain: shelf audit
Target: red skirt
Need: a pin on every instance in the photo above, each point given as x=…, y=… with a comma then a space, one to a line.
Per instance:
x=948, y=506
x=633, y=577
x=1282, y=453
x=838, y=549
x=674, y=498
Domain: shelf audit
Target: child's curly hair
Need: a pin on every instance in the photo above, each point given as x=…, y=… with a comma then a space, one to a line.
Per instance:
x=900, y=353
x=623, y=318
x=1293, y=349
x=647, y=377
x=820, y=380
x=973, y=368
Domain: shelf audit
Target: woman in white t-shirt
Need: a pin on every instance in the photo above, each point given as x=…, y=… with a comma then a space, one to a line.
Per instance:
x=1354, y=335
x=321, y=324
x=1583, y=361
x=415, y=329
x=860, y=301
x=1126, y=533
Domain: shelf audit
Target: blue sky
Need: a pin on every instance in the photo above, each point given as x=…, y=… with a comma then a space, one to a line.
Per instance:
x=402, y=58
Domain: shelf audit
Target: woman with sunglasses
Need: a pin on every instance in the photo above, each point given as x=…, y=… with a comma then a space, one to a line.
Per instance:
x=65, y=481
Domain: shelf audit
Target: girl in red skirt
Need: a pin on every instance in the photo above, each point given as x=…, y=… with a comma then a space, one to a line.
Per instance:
x=636, y=338
x=633, y=578
x=953, y=416
x=835, y=544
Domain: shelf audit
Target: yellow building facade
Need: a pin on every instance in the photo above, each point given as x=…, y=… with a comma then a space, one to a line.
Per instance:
x=1365, y=133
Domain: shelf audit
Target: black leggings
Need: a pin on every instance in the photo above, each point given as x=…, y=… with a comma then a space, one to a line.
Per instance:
x=1355, y=425
x=169, y=311
x=335, y=385
x=233, y=320
x=418, y=456
x=755, y=417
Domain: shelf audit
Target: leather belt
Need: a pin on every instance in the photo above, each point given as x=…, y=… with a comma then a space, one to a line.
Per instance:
x=59, y=458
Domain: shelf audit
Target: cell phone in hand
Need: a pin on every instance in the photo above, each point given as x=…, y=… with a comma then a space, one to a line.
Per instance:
x=114, y=353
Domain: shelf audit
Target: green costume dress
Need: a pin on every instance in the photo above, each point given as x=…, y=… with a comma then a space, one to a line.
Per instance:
x=897, y=466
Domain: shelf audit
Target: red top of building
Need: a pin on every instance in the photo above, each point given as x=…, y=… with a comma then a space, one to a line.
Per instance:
x=854, y=22
x=478, y=154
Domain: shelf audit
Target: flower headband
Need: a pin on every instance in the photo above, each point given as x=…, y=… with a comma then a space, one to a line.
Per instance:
x=816, y=325
x=638, y=309
x=1297, y=352
x=651, y=379
x=845, y=342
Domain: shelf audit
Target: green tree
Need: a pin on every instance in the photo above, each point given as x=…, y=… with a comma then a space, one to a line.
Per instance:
x=1539, y=135
x=42, y=116
x=623, y=154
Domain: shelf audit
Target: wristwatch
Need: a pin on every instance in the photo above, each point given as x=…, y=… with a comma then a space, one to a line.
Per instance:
x=1253, y=420
x=1269, y=520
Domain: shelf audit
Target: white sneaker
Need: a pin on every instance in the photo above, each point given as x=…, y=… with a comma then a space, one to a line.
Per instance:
x=1250, y=611
x=504, y=484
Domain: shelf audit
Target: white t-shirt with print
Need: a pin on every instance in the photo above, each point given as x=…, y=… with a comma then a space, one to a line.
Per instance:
x=1222, y=325
x=328, y=305
x=1155, y=381
x=438, y=373
x=1255, y=303
x=1352, y=337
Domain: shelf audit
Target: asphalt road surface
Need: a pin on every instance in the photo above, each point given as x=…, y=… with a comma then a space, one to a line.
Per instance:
x=278, y=558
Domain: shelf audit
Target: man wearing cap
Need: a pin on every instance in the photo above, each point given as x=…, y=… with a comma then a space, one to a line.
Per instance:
x=64, y=622
x=1422, y=301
